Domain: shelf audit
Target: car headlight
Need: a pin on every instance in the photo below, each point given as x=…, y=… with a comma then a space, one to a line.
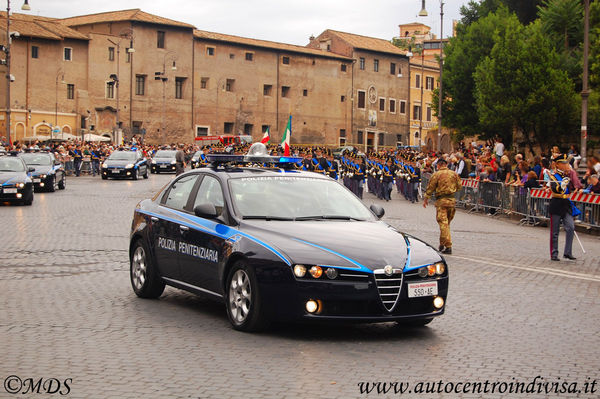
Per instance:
x=299, y=270
x=440, y=268
x=129, y=166
x=43, y=176
x=331, y=273
x=20, y=185
x=104, y=165
x=153, y=162
x=316, y=271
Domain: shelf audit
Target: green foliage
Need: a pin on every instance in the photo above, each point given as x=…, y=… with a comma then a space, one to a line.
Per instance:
x=594, y=57
x=526, y=11
x=562, y=20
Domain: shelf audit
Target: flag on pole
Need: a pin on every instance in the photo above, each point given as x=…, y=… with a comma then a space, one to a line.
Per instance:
x=266, y=137
x=285, y=141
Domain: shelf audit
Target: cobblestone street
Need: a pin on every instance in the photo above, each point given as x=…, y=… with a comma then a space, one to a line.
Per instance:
x=68, y=311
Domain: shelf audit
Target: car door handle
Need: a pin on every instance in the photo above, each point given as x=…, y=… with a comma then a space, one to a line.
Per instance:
x=183, y=228
x=154, y=218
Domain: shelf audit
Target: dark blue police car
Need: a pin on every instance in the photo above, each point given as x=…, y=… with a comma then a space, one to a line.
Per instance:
x=15, y=180
x=279, y=244
x=48, y=174
x=128, y=164
x=163, y=162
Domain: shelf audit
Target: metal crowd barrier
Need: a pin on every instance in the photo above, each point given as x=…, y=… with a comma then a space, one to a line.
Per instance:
x=496, y=198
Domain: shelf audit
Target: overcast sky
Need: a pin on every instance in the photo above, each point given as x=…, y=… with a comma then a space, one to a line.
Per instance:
x=288, y=21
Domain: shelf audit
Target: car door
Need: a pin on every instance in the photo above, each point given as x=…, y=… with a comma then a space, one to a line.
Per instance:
x=168, y=225
x=141, y=162
x=204, y=247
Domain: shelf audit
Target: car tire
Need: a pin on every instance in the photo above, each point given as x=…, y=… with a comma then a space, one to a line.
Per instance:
x=414, y=323
x=134, y=175
x=52, y=186
x=146, y=174
x=62, y=184
x=104, y=177
x=29, y=198
x=145, y=281
x=245, y=308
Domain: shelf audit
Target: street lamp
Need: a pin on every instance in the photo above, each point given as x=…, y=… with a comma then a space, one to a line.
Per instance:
x=6, y=49
x=162, y=76
x=585, y=92
x=423, y=13
x=60, y=74
x=125, y=33
x=222, y=80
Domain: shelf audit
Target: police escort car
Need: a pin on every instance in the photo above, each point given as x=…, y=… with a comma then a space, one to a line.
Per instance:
x=198, y=160
x=128, y=164
x=163, y=161
x=48, y=174
x=15, y=180
x=281, y=244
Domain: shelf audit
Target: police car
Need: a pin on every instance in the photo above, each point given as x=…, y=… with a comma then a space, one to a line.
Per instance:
x=48, y=174
x=15, y=180
x=197, y=161
x=163, y=161
x=128, y=164
x=281, y=244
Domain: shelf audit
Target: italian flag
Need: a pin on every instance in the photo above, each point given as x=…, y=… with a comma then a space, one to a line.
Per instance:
x=285, y=141
x=266, y=137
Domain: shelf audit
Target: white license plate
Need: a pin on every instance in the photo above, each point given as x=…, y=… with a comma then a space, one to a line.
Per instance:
x=163, y=166
x=37, y=180
x=10, y=190
x=115, y=171
x=428, y=288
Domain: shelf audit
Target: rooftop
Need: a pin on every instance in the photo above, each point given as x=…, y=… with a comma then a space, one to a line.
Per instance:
x=368, y=43
x=134, y=14
x=40, y=27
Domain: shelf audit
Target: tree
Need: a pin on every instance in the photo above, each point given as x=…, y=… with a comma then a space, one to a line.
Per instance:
x=563, y=21
x=521, y=85
x=526, y=10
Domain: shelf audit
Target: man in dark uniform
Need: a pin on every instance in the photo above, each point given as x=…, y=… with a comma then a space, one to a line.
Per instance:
x=561, y=208
x=77, y=159
x=389, y=170
x=359, y=176
x=179, y=161
x=95, y=157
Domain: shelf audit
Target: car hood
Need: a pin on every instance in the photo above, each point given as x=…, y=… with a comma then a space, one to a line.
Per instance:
x=164, y=159
x=7, y=178
x=364, y=245
x=41, y=169
x=117, y=163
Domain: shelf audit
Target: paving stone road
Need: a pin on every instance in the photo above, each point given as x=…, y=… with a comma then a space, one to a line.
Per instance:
x=68, y=312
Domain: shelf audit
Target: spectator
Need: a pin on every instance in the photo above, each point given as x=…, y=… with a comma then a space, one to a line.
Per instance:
x=532, y=180
x=593, y=185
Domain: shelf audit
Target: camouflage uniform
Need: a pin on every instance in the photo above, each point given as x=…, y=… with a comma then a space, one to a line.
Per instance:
x=444, y=183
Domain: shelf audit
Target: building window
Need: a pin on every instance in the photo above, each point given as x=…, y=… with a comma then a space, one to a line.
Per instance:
x=361, y=63
x=417, y=112
x=249, y=56
x=361, y=99
x=110, y=89
x=429, y=83
x=285, y=91
x=127, y=55
x=68, y=54
x=392, y=68
x=382, y=105
x=111, y=53
x=428, y=114
x=231, y=56
x=305, y=92
x=179, y=87
x=201, y=131
x=229, y=84
x=210, y=51
x=380, y=138
x=204, y=83
x=392, y=106
x=343, y=98
x=264, y=128
x=70, y=91
x=343, y=67
x=417, y=81
x=228, y=127
x=285, y=60
x=248, y=129
x=376, y=65
x=267, y=90
x=342, y=137
x=402, y=107
x=34, y=51
x=398, y=139
x=140, y=85
x=359, y=137
x=160, y=39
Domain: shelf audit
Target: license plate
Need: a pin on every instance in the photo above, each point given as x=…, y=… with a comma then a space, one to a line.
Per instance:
x=163, y=166
x=37, y=180
x=10, y=190
x=416, y=290
x=115, y=171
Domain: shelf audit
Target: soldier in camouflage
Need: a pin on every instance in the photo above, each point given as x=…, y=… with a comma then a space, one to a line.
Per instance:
x=444, y=183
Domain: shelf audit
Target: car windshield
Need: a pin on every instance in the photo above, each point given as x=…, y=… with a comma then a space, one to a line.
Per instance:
x=37, y=159
x=294, y=198
x=11, y=165
x=164, y=154
x=122, y=156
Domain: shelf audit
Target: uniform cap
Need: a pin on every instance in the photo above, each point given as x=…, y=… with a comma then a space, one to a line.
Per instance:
x=562, y=158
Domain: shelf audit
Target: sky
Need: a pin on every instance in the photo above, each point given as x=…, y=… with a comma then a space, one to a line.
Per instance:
x=287, y=21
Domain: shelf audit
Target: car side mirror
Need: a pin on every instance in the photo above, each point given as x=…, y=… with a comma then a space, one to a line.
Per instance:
x=30, y=169
x=206, y=211
x=377, y=210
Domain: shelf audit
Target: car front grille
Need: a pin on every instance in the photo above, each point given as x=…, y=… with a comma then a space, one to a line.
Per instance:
x=389, y=287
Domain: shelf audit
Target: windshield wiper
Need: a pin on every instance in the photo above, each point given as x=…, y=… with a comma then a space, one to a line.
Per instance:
x=328, y=217
x=259, y=217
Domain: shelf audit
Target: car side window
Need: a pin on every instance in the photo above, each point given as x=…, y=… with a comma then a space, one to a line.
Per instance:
x=210, y=192
x=179, y=192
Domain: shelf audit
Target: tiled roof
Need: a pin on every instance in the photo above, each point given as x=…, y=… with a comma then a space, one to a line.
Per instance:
x=265, y=44
x=416, y=63
x=368, y=43
x=124, y=15
x=40, y=27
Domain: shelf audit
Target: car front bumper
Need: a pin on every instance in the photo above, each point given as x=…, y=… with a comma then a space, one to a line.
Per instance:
x=163, y=168
x=118, y=172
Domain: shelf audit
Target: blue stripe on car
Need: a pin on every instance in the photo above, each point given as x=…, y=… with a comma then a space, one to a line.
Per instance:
x=360, y=266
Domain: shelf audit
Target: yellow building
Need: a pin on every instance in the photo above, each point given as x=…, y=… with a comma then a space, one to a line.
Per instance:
x=424, y=77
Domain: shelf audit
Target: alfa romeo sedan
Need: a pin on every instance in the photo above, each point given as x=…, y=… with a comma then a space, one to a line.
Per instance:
x=277, y=244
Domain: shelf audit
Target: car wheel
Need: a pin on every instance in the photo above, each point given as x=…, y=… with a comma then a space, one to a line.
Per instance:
x=104, y=177
x=243, y=301
x=414, y=323
x=145, y=280
x=29, y=198
x=146, y=174
x=134, y=175
x=62, y=184
x=52, y=184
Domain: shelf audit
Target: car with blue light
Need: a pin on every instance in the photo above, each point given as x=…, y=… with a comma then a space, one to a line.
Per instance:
x=49, y=174
x=16, y=185
x=281, y=244
x=129, y=164
x=163, y=161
